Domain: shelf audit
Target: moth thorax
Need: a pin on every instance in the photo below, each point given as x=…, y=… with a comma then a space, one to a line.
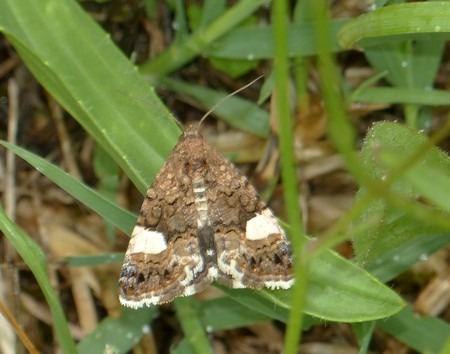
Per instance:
x=195, y=167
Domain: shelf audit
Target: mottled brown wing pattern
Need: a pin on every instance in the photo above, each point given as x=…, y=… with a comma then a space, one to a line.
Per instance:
x=202, y=221
x=252, y=249
x=153, y=274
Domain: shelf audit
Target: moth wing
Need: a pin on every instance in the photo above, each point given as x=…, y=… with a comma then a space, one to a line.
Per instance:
x=265, y=261
x=163, y=260
x=252, y=248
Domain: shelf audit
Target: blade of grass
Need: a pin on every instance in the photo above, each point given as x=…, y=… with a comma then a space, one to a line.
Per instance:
x=289, y=176
x=257, y=42
x=119, y=334
x=183, y=347
x=92, y=260
x=224, y=313
x=212, y=9
x=76, y=61
x=340, y=130
x=189, y=318
x=108, y=173
x=393, y=95
x=411, y=21
x=338, y=290
x=256, y=301
x=363, y=332
x=422, y=333
x=446, y=348
x=33, y=256
x=121, y=218
x=409, y=64
x=398, y=259
x=181, y=53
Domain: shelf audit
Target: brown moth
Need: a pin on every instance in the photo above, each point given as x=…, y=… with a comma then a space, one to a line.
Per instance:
x=202, y=221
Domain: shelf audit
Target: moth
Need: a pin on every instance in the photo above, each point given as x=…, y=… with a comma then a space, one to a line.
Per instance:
x=202, y=221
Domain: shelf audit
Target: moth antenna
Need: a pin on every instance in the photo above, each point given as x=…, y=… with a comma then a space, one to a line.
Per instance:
x=225, y=98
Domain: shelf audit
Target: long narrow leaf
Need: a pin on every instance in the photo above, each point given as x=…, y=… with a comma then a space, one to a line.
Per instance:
x=338, y=291
x=35, y=259
x=117, y=216
x=120, y=334
x=256, y=42
x=418, y=20
x=81, y=67
x=423, y=333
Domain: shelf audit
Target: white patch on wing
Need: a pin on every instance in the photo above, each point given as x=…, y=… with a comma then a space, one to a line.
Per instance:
x=146, y=241
x=262, y=226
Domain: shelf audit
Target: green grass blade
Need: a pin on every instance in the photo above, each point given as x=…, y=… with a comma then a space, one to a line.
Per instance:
x=446, y=348
x=363, y=332
x=289, y=176
x=122, y=219
x=184, y=51
x=398, y=259
x=406, y=64
x=183, y=348
x=422, y=333
x=119, y=334
x=391, y=95
x=340, y=131
x=193, y=329
x=92, y=260
x=224, y=313
x=426, y=60
x=81, y=67
x=412, y=21
x=256, y=42
x=256, y=301
x=108, y=173
x=338, y=290
x=33, y=256
x=212, y=9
